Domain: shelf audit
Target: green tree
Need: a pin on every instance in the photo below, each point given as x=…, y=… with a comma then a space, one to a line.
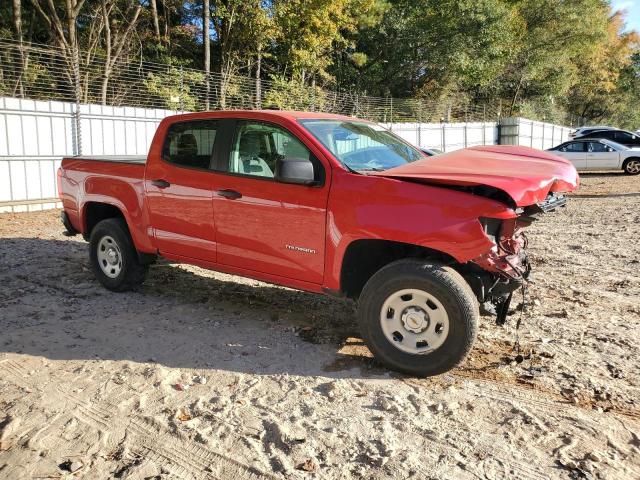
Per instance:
x=552, y=34
x=311, y=32
x=599, y=91
x=431, y=48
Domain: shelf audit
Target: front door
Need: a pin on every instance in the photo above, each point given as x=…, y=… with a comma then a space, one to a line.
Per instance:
x=178, y=189
x=576, y=153
x=264, y=225
x=602, y=156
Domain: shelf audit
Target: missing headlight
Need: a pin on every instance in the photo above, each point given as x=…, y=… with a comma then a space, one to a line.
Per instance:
x=491, y=227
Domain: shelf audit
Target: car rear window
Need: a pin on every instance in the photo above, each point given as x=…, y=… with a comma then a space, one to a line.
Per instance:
x=190, y=144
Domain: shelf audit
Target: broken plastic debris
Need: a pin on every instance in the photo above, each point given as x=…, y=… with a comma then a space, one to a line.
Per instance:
x=200, y=379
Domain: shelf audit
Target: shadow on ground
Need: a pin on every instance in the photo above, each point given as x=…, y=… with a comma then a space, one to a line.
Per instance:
x=52, y=306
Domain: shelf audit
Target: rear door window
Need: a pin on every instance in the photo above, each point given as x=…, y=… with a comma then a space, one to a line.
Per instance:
x=191, y=144
x=623, y=137
x=596, y=147
x=603, y=134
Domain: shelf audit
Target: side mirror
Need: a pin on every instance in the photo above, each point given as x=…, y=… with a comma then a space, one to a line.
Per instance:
x=295, y=170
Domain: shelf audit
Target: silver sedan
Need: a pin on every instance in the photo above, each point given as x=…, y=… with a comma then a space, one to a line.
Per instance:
x=599, y=154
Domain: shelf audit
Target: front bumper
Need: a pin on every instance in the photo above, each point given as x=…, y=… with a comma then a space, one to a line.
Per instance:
x=497, y=274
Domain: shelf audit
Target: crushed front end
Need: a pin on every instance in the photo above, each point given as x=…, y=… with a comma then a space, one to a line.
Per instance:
x=495, y=275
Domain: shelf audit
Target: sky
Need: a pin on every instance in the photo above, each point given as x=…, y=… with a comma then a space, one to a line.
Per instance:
x=633, y=12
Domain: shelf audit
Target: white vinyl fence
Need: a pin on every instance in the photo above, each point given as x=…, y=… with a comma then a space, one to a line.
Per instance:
x=447, y=136
x=35, y=135
x=520, y=131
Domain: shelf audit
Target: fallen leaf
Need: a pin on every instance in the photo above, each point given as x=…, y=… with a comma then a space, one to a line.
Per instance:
x=308, y=466
x=184, y=416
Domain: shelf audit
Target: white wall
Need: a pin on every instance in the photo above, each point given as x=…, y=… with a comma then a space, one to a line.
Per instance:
x=35, y=135
x=521, y=131
x=447, y=136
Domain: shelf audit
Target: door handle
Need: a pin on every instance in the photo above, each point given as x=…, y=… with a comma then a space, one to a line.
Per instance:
x=160, y=183
x=230, y=194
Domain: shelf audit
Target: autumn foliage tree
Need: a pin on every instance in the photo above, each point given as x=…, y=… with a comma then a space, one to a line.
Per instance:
x=541, y=58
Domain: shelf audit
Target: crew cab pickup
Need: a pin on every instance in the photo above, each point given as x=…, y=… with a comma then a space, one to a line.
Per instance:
x=327, y=204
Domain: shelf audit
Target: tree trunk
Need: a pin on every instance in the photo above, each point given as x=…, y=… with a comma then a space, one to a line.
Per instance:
x=206, y=41
x=17, y=25
x=258, y=80
x=72, y=15
x=156, y=23
x=116, y=41
x=65, y=37
x=107, y=62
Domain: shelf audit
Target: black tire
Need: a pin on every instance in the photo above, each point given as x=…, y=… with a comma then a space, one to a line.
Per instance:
x=444, y=284
x=628, y=163
x=132, y=273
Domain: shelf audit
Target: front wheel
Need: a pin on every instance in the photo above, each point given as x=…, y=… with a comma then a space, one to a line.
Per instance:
x=632, y=166
x=417, y=317
x=114, y=259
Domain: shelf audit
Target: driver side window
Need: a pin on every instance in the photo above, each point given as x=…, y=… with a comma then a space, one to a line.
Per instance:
x=258, y=146
x=573, y=147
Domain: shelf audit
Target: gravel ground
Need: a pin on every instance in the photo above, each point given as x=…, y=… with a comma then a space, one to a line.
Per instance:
x=206, y=375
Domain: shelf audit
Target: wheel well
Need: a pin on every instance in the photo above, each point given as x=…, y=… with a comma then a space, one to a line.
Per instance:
x=627, y=160
x=95, y=212
x=363, y=258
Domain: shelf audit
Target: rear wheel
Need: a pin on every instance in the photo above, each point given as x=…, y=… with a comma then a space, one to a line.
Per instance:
x=632, y=166
x=417, y=317
x=114, y=259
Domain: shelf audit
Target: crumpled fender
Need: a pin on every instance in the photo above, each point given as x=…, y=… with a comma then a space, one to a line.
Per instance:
x=371, y=207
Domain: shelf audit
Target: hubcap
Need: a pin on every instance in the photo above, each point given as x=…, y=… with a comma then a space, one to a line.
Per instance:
x=109, y=256
x=414, y=321
x=633, y=166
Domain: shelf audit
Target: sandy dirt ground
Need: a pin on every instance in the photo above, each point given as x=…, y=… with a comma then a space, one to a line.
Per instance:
x=201, y=375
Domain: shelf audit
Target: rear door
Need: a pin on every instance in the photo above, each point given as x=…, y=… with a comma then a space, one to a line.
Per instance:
x=178, y=188
x=264, y=225
x=600, y=155
x=576, y=153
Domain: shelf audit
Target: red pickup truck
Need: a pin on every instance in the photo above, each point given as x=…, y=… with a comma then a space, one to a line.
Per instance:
x=327, y=204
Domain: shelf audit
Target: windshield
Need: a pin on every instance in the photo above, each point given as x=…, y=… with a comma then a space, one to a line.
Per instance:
x=615, y=145
x=362, y=146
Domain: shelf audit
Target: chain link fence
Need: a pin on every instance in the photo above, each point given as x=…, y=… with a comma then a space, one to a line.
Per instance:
x=42, y=72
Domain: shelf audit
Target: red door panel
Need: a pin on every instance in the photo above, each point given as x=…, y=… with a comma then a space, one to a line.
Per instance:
x=274, y=227
x=182, y=214
x=262, y=224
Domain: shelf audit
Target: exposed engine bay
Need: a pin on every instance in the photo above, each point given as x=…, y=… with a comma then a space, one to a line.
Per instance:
x=497, y=274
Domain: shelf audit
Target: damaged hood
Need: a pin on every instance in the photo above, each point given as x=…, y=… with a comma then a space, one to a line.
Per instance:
x=526, y=174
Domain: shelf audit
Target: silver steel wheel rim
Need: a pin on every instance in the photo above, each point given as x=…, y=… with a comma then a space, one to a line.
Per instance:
x=633, y=166
x=109, y=257
x=414, y=321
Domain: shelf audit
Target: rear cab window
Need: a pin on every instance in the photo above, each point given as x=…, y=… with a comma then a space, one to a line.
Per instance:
x=191, y=144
